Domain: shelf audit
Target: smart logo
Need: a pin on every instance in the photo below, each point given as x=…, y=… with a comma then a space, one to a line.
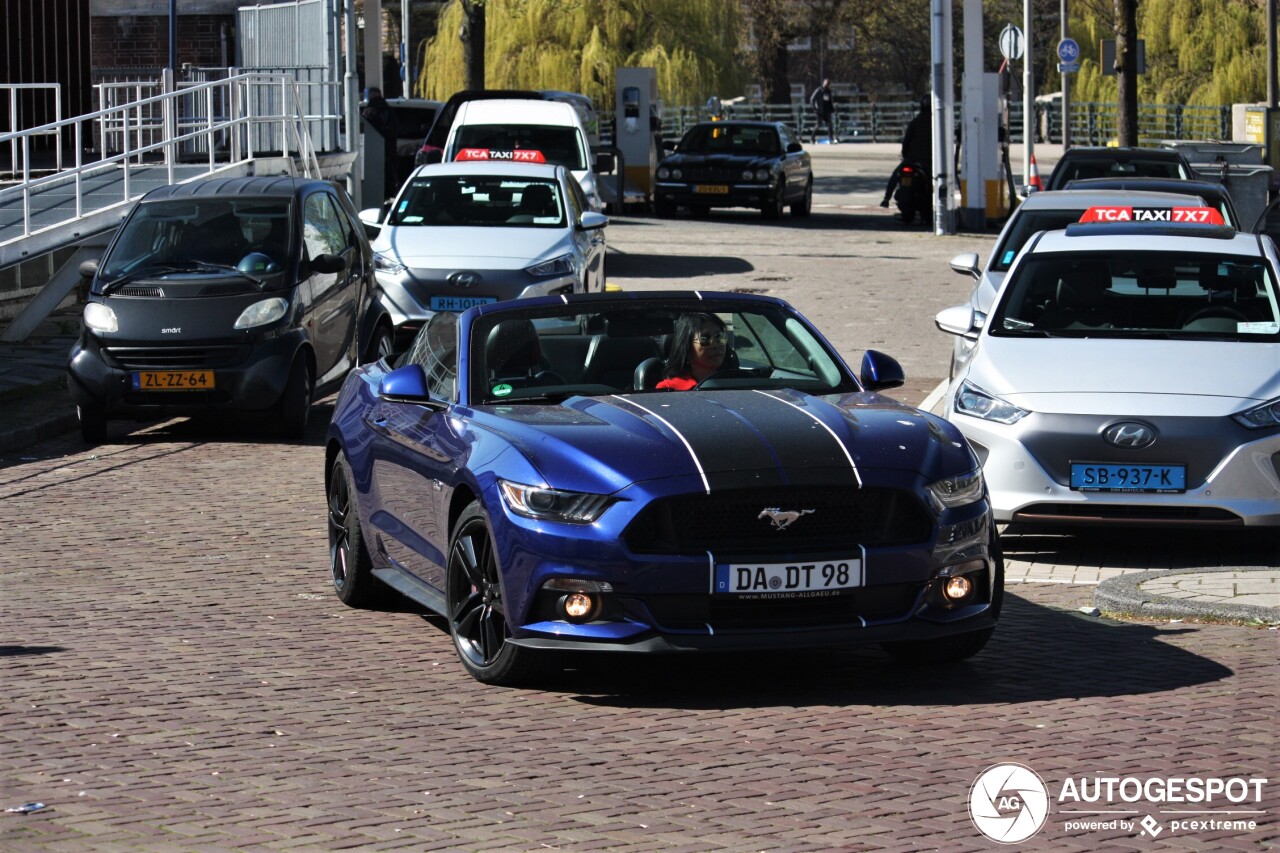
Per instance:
x=1008, y=803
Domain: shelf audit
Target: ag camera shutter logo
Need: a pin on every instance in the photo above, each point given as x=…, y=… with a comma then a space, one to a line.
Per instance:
x=1008, y=803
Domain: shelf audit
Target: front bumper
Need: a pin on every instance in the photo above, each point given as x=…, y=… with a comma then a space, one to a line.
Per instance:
x=407, y=298
x=248, y=376
x=1242, y=487
x=738, y=195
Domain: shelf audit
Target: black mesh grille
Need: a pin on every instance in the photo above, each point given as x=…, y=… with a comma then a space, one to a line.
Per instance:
x=706, y=174
x=728, y=523
x=149, y=291
x=176, y=358
x=696, y=612
x=1126, y=513
x=232, y=288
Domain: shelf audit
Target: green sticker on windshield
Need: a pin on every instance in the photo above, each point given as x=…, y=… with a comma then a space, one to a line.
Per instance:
x=501, y=390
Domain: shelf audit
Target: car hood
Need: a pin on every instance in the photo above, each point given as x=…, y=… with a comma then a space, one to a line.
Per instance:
x=442, y=246
x=1116, y=377
x=734, y=161
x=728, y=439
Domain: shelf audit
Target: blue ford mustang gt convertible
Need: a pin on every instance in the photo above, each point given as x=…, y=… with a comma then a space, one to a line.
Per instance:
x=517, y=471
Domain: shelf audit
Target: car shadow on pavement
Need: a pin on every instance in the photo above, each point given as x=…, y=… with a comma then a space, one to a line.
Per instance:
x=222, y=428
x=1037, y=654
x=625, y=265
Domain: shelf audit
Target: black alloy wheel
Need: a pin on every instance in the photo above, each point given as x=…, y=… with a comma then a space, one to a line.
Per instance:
x=382, y=345
x=477, y=610
x=777, y=203
x=350, y=565
x=93, y=423
x=805, y=205
x=294, y=407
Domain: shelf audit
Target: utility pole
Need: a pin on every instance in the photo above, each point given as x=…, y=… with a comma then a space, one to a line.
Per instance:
x=1028, y=95
x=1066, y=86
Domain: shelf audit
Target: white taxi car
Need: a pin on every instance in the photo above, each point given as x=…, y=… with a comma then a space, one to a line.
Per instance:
x=1129, y=373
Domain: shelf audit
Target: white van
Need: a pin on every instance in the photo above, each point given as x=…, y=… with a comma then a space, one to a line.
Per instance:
x=553, y=127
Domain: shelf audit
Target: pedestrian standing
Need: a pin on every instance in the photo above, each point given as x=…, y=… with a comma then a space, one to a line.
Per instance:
x=824, y=108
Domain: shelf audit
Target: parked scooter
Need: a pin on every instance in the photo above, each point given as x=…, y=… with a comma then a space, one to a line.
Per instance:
x=914, y=193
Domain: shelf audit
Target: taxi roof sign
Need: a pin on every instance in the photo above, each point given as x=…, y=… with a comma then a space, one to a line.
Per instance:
x=1193, y=215
x=513, y=156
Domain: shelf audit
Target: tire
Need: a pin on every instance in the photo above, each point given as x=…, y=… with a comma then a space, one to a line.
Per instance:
x=350, y=566
x=804, y=206
x=93, y=424
x=382, y=345
x=777, y=203
x=294, y=408
x=953, y=649
x=476, y=608
x=664, y=208
x=700, y=211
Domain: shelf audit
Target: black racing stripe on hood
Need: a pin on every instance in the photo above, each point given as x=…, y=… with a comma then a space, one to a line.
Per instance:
x=745, y=439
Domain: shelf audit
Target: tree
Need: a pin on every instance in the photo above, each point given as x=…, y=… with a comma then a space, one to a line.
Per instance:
x=472, y=33
x=1127, y=71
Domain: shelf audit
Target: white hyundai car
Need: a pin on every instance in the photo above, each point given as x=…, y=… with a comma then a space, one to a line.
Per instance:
x=503, y=225
x=1129, y=373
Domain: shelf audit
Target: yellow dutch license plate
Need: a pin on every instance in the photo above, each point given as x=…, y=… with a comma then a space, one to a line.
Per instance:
x=173, y=380
x=714, y=189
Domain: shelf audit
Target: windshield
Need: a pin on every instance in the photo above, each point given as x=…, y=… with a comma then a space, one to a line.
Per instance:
x=188, y=236
x=557, y=352
x=1136, y=294
x=483, y=200
x=1111, y=167
x=1025, y=224
x=559, y=144
x=721, y=138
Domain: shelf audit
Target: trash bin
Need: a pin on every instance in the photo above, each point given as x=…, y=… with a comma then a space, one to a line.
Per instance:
x=1232, y=153
x=1250, y=187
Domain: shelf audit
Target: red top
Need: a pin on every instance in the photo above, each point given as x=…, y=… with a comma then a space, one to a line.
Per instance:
x=677, y=383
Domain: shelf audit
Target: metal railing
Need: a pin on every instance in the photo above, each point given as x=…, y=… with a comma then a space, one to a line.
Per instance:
x=234, y=120
x=11, y=91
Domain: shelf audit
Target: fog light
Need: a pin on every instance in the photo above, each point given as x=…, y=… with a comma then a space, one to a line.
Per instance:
x=957, y=588
x=577, y=606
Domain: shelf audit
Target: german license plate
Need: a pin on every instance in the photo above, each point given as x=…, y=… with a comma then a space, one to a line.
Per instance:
x=714, y=189
x=173, y=380
x=1099, y=477
x=783, y=580
x=459, y=303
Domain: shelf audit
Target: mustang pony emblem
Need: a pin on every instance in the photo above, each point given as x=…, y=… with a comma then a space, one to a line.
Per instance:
x=782, y=519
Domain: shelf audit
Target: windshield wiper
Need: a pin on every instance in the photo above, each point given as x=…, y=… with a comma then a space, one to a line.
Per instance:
x=198, y=266
x=117, y=283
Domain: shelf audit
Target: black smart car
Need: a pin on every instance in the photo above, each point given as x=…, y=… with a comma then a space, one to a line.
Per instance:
x=242, y=294
x=756, y=164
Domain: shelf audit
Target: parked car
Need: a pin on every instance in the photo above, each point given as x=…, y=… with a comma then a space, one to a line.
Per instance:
x=477, y=231
x=240, y=294
x=431, y=149
x=1127, y=375
x=1044, y=211
x=414, y=117
x=1089, y=161
x=516, y=473
x=553, y=128
x=756, y=164
x=1215, y=195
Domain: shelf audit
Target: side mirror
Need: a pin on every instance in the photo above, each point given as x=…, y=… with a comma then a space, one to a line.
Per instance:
x=794, y=148
x=957, y=320
x=967, y=264
x=591, y=220
x=372, y=216
x=89, y=268
x=668, y=145
x=406, y=384
x=880, y=371
x=604, y=163
x=328, y=263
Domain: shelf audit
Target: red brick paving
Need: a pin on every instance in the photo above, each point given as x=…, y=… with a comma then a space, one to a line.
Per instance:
x=177, y=675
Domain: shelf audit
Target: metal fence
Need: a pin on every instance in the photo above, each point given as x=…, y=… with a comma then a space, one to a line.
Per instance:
x=1091, y=123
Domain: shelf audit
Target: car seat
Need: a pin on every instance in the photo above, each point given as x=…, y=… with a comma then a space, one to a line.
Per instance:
x=513, y=355
x=538, y=200
x=1080, y=300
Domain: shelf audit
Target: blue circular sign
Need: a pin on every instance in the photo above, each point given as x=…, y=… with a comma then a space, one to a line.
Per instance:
x=1068, y=50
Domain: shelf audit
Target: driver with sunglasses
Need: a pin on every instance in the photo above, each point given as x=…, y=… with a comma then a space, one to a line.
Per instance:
x=698, y=346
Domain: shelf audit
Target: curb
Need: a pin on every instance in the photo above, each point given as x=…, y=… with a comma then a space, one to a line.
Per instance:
x=46, y=427
x=1124, y=595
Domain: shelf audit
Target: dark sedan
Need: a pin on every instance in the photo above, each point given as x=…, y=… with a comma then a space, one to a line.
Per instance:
x=242, y=294
x=1106, y=162
x=758, y=164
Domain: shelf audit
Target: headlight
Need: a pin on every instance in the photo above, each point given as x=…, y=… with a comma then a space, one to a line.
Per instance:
x=553, y=504
x=100, y=318
x=664, y=173
x=762, y=175
x=262, y=313
x=976, y=403
x=388, y=264
x=1259, y=417
x=676, y=174
x=562, y=265
x=954, y=492
x=748, y=175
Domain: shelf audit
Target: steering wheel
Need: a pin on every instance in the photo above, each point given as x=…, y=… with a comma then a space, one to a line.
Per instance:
x=727, y=373
x=1225, y=312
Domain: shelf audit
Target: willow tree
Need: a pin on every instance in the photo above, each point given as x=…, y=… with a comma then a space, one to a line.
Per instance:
x=553, y=44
